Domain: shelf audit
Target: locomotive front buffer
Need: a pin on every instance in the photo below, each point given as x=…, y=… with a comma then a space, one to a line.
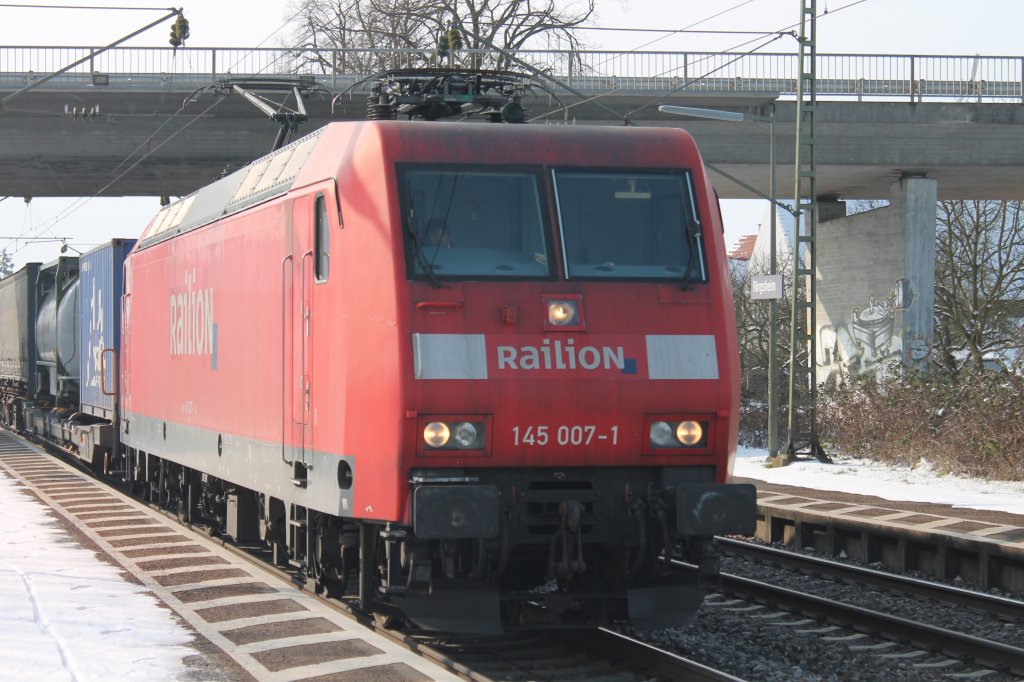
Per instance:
x=578, y=549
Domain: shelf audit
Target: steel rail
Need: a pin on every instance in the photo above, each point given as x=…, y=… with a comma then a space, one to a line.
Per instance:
x=658, y=663
x=959, y=645
x=1003, y=607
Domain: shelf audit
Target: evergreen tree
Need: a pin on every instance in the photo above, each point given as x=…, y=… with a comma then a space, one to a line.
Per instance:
x=6, y=264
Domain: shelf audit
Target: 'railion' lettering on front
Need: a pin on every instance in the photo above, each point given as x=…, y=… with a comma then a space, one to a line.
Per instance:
x=560, y=355
x=192, y=319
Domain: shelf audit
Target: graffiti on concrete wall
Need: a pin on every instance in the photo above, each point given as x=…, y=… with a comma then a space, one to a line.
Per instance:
x=919, y=349
x=871, y=339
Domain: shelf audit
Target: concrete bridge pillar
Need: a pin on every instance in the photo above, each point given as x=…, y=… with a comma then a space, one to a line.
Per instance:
x=876, y=282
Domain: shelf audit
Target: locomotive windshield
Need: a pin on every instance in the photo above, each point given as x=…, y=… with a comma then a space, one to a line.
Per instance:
x=629, y=225
x=468, y=222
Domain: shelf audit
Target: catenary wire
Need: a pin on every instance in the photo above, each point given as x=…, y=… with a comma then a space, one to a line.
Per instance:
x=48, y=225
x=775, y=35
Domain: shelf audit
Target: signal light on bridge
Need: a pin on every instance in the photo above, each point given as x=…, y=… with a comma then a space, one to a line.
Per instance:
x=454, y=37
x=179, y=31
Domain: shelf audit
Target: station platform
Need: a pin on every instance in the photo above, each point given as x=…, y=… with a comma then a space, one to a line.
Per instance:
x=982, y=548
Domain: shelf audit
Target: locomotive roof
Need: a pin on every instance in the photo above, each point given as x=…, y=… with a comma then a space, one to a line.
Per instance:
x=275, y=174
x=265, y=178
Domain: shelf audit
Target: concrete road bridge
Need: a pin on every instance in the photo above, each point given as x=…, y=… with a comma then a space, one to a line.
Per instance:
x=143, y=121
x=909, y=129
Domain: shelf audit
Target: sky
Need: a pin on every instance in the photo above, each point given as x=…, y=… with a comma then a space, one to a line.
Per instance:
x=62, y=604
x=937, y=27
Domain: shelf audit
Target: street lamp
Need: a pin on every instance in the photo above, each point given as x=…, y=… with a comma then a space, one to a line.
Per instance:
x=773, y=307
x=65, y=247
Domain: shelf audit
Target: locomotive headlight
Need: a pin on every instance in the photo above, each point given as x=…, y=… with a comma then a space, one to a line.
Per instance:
x=563, y=313
x=662, y=435
x=436, y=434
x=466, y=435
x=677, y=434
x=444, y=435
x=689, y=433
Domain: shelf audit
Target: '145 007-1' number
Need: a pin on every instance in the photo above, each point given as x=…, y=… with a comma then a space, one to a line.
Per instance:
x=563, y=435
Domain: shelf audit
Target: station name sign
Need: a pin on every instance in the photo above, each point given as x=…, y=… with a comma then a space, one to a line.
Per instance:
x=766, y=287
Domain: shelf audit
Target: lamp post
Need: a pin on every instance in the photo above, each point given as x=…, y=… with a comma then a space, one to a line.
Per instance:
x=773, y=308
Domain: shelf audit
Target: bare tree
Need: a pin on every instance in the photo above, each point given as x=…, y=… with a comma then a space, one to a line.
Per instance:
x=856, y=206
x=979, y=282
x=753, y=322
x=323, y=26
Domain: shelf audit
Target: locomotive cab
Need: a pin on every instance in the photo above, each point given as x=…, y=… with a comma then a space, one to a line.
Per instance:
x=571, y=415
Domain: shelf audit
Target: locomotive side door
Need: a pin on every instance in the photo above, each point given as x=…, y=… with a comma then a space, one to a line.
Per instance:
x=297, y=270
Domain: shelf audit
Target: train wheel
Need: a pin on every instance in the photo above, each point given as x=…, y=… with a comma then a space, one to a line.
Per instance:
x=386, y=621
x=128, y=481
x=389, y=572
x=184, y=495
x=324, y=566
x=371, y=575
x=276, y=528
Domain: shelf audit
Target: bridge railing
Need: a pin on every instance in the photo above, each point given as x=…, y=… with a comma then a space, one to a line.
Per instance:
x=860, y=76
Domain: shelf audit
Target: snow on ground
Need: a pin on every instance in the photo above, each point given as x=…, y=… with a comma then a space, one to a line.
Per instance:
x=851, y=475
x=65, y=615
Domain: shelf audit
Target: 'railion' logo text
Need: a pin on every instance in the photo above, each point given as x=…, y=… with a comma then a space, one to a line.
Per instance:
x=192, y=328
x=568, y=356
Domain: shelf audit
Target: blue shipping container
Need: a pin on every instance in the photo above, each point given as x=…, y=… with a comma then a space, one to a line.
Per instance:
x=101, y=274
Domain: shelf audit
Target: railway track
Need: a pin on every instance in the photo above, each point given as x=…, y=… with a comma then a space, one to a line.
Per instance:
x=983, y=652
x=1003, y=607
x=263, y=618
x=867, y=623
x=591, y=656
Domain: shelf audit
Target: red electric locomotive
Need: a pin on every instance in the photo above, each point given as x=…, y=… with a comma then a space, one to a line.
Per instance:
x=464, y=369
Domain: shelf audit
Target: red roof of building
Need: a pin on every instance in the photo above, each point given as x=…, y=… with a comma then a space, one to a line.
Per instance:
x=744, y=248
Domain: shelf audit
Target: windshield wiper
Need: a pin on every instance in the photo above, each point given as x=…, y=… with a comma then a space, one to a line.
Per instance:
x=693, y=238
x=428, y=267
x=421, y=258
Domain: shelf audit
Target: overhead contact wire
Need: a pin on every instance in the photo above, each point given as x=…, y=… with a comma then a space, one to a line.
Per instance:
x=50, y=224
x=775, y=35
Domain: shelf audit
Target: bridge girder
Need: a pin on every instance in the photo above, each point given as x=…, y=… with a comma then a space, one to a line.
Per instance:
x=973, y=150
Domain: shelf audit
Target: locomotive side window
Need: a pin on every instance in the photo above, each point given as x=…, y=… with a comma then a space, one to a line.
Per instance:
x=472, y=222
x=322, y=237
x=629, y=225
